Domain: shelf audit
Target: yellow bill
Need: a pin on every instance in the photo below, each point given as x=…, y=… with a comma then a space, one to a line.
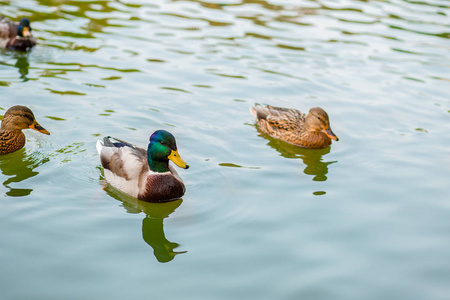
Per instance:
x=26, y=31
x=175, y=157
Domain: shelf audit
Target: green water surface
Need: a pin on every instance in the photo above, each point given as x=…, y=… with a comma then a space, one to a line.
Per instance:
x=367, y=218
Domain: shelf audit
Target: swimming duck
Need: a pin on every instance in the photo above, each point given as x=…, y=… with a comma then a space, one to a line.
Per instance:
x=292, y=126
x=15, y=119
x=16, y=36
x=140, y=173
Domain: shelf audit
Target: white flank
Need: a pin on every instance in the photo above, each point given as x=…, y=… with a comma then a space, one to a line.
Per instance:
x=133, y=164
x=129, y=187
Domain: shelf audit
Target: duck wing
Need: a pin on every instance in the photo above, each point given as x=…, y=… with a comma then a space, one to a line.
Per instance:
x=271, y=118
x=8, y=28
x=122, y=158
x=5, y=32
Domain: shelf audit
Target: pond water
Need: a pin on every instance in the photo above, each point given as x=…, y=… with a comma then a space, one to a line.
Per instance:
x=367, y=218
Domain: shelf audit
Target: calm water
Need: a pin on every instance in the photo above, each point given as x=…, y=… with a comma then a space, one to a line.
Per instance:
x=367, y=218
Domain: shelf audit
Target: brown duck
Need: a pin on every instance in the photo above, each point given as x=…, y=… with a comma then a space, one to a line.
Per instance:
x=15, y=119
x=292, y=126
x=16, y=35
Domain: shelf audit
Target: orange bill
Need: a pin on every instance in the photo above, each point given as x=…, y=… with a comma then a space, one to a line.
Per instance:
x=38, y=127
x=330, y=134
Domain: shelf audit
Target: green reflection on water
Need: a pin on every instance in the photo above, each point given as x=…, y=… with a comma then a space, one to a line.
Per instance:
x=55, y=118
x=18, y=166
x=153, y=223
x=71, y=93
x=232, y=165
x=21, y=63
x=312, y=158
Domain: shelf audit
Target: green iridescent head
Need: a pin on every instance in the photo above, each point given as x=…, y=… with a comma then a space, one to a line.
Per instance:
x=24, y=28
x=161, y=149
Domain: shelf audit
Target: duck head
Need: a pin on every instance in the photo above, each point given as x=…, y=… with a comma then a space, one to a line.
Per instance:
x=20, y=117
x=317, y=120
x=161, y=149
x=24, y=28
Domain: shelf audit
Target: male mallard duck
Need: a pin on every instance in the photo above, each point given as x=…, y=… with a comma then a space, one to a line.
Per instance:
x=144, y=174
x=16, y=36
x=15, y=119
x=292, y=126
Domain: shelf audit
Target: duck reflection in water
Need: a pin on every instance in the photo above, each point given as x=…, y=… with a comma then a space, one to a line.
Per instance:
x=22, y=65
x=21, y=62
x=153, y=223
x=312, y=158
x=19, y=166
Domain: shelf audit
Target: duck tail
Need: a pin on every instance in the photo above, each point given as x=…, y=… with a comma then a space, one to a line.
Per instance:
x=259, y=111
x=253, y=111
x=108, y=141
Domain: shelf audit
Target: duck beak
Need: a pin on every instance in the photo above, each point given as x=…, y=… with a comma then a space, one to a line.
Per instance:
x=26, y=32
x=330, y=134
x=175, y=157
x=38, y=127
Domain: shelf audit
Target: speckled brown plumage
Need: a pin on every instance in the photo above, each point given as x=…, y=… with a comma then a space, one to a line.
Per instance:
x=15, y=119
x=11, y=141
x=290, y=125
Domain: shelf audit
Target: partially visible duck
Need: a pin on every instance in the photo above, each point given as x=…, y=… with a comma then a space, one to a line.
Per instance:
x=15, y=119
x=140, y=173
x=16, y=36
x=292, y=126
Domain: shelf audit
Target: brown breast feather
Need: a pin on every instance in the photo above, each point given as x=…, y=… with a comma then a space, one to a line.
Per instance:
x=162, y=187
x=11, y=141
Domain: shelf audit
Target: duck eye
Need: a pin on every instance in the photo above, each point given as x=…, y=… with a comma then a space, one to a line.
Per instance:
x=162, y=143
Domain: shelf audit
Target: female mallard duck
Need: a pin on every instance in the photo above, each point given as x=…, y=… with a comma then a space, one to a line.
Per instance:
x=292, y=126
x=16, y=36
x=144, y=174
x=15, y=119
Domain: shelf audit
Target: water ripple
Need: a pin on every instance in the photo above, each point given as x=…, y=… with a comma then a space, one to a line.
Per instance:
x=323, y=218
